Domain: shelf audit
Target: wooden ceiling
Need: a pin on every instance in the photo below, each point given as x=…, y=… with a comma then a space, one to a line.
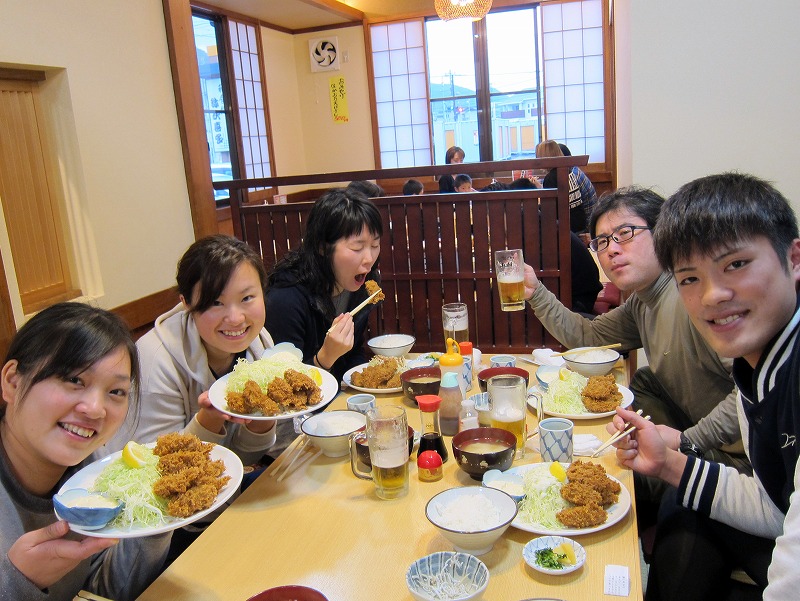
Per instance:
x=304, y=15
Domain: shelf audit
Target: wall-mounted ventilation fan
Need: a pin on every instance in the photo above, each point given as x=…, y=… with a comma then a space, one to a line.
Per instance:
x=324, y=54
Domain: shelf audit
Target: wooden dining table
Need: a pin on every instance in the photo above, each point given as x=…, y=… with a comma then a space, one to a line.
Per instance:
x=324, y=528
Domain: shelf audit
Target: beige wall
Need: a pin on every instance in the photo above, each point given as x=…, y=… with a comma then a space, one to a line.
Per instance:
x=120, y=147
x=713, y=87
x=332, y=146
x=305, y=137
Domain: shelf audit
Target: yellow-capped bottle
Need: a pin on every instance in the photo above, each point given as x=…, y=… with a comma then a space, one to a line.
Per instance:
x=452, y=387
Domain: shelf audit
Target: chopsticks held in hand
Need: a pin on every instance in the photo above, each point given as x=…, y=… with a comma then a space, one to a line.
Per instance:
x=627, y=429
x=587, y=349
x=361, y=306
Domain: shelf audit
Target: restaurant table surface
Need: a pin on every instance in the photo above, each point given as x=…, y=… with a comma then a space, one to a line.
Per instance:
x=322, y=527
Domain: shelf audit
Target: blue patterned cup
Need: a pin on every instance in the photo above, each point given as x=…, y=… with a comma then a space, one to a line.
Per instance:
x=555, y=439
x=504, y=361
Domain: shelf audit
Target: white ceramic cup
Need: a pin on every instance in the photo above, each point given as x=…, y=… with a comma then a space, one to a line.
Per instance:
x=555, y=439
x=361, y=402
x=504, y=361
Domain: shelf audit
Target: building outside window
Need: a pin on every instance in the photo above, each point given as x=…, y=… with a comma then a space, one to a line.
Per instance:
x=236, y=116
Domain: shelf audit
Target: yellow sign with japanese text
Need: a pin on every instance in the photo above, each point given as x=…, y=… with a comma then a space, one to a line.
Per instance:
x=338, y=99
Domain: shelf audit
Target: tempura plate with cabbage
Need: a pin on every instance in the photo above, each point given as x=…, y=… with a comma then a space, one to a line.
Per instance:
x=537, y=511
x=149, y=515
x=263, y=372
x=563, y=397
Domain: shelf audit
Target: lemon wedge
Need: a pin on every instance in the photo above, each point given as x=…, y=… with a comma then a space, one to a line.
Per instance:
x=568, y=552
x=563, y=373
x=316, y=376
x=558, y=471
x=135, y=455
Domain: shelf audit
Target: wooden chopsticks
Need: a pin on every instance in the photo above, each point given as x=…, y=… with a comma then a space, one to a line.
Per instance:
x=627, y=429
x=361, y=306
x=587, y=349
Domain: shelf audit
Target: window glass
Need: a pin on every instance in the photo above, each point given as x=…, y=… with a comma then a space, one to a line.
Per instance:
x=218, y=126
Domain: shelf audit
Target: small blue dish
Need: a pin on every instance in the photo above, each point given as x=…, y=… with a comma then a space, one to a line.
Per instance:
x=69, y=506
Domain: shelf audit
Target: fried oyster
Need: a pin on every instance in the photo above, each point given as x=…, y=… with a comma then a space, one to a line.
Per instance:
x=589, y=490
x=601, y=394
x=293, y=391
x=190, y=479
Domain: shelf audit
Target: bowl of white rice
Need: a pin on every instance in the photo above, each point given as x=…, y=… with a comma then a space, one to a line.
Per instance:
x=597, y=362
x=330, y=430
x=472, y=518
x=391, y=345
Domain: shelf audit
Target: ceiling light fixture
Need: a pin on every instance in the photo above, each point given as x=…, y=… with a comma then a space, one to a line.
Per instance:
x=462, y=9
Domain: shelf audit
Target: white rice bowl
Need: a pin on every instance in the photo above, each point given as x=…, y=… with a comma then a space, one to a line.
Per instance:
x=330, y=430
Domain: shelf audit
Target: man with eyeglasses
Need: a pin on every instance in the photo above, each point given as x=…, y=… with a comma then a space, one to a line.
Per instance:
x=685, y=381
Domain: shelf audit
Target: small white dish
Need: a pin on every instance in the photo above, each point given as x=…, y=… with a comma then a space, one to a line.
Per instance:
x=545, y=542
x=424, y=361
x=543, y=356
x=511, y=484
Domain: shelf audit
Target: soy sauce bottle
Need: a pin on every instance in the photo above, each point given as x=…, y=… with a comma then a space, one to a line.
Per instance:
x=431, y=439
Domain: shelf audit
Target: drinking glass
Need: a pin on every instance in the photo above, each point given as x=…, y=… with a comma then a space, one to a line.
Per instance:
x=508, y=396
x=387, y=437
x=509, y=268
x=455, y=321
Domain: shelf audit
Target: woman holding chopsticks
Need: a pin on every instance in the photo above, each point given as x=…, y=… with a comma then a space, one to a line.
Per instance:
x=312, y=290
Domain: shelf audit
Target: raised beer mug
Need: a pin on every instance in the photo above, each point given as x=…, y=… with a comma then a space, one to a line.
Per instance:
x=387, y=438
x=509, y=268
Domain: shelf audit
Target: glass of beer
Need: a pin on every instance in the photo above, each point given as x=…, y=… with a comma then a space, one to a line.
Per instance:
x=509, y=268
x=507, y=398
x=455, y=321
x=387, y=438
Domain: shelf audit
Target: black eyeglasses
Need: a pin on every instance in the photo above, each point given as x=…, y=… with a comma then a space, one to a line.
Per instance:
x=621, y=234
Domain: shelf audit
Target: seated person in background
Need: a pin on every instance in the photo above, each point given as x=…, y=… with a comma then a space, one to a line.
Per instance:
x=686, y=386
x=453, y=155
x=447, y=184
x=463, y=183
x=581, y=199
x=313, y=287
x=586, y=283
x=584, y=183
x=733, y=245
x=69, y=379
x=413, y=187
x=367, y=188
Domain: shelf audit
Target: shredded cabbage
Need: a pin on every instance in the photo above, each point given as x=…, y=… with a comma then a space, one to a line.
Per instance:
x=134, y=487
x=264, y=370
x=564, y=396
x=542, y=498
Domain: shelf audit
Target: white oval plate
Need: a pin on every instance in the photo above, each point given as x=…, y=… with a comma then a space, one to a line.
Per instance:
x=85, y=479
x=615, y=512
x=348, y=377
x=627, y=399
x=549, y=542
x=216, y=394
